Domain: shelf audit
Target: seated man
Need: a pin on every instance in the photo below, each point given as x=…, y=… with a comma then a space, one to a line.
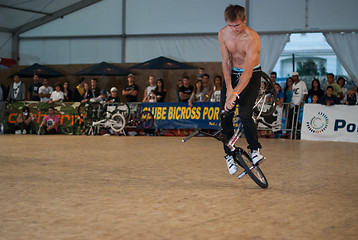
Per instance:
x=329, y=99
x=24, y=121
x=51, y=122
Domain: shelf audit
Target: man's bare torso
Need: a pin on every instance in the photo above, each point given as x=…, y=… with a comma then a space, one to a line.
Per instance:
x=237, y=45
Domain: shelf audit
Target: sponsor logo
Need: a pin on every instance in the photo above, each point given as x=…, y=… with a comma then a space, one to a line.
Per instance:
x=318, y=123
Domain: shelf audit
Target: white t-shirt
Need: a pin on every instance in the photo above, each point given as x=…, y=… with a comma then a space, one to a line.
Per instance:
x=57, y=95
x=298, y=92
x=45, y=90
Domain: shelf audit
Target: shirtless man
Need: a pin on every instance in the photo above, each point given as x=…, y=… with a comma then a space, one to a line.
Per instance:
x=240, y=50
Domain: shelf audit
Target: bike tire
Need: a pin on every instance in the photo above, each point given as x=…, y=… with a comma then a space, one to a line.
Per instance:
x=146, y=120
x=120, y=122
x=262, y=106
x=244, y=160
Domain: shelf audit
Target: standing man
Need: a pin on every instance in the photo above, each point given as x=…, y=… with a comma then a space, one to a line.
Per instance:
x=240, y=50
x=150, y=88
x=299, y=96
x=45, y=91
x=337, y=90
x=131, y=90
x=186, y=90
x=33, y=94
x=273, y=76
x=17, y=90
x=95, y=91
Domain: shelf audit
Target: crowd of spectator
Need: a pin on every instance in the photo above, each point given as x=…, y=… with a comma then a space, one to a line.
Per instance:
x=294, y=94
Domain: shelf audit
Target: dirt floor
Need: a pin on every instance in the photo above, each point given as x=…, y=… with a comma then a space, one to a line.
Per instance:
x=81, y=187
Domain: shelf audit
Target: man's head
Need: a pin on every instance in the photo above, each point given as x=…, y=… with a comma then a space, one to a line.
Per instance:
x=94, y=82
x=36, y=78
x=130, y=79
x=206, y=79
x=186, y=82
x=114, y=92
x=330, y=78
x=57, y=87
x=51, y=111
x=16, y=78
x=103, y=94
x=295, y=77
x=329, y=91
x=273, y=76
x=151, y=80
x=45, y=82
x=81, y=81
x=235, y=17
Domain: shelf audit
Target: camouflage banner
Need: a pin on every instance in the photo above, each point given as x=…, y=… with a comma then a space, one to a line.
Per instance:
x=67, y=112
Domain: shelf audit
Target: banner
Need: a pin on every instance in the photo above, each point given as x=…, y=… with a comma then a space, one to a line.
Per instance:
x=330, y=123
x=204, y=115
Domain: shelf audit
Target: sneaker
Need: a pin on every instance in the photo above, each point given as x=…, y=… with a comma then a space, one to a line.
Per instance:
x=24, y=131
x=256, y=156
x=230, y=164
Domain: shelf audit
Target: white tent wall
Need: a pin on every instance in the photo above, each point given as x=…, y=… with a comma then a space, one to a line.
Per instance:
x=5, y=45
x=150, y=26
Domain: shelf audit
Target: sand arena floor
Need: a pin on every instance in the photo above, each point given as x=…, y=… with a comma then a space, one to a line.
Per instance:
x=80, y=187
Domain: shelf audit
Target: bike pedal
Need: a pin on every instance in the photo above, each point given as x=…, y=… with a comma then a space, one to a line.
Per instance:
x=259, y=162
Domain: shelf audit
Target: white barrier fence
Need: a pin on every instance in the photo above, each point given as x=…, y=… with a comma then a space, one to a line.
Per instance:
x=330, y=123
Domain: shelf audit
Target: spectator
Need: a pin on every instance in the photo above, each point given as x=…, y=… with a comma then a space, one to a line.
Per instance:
x=186, y=90
x=57, y=95
x=95, y=91
x=299, y=96
x=24, y=121
x=102, y=98
x=280, y=95
x=33, y=94
x=279, y=110
x=207, y=86
x=341, y=82
x=45, y=91
x=160, y=91
x=79, y=90
x=2, y=93
x=199, y=94
x=150, y=88
x=216, y=92
x=329, y=99
x=314, y=99
x=179, y=85
x=88, y=93
x=17, y=90
x=273, y=77
x=152, y=97
x=337, y=91
x=113, y=98
x=131, y=90
x=351, y=97
x=287, y=91
x=315, y=89
x=51, y=122
x=201, y=73
x=67, y=93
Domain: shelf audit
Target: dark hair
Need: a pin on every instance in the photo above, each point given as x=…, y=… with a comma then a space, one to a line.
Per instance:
x=57, y=84
x=94, y=79
x=274, y=73
x=186, y=77
x=51, y=107
x=26, y=108
x=82, y=79
x=329, y=87
x=344, y=80
x=206, y=75
x=159, y=80
x=233, y=12
x=316, y=80
x=286, y=86
x=67, y=84
x=201, y=88
x=221, y=79
x=330, y=74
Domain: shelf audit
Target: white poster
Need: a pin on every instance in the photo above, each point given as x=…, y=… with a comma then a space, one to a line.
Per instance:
x=330, y=123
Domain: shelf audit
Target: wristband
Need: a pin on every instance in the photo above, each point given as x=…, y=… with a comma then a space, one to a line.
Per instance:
x=237, y=95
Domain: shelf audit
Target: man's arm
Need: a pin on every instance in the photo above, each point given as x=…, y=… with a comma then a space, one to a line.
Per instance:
x=226, y=63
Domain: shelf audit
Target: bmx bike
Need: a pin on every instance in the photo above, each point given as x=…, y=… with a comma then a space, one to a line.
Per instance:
x=264, y=106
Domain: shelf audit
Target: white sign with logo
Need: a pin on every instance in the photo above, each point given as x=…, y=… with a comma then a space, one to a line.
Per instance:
x=330, y=123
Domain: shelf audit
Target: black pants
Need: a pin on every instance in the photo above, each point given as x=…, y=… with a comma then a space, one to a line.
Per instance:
x=246, y=103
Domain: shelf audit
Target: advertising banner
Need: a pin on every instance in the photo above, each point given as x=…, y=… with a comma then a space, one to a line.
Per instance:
x=204, y=115
x=330, y=123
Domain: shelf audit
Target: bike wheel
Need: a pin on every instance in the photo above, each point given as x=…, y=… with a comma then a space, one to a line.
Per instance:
x=123, y=109
x=266, y=101
x=244, y=160
x=118, y=122
x=146, y=119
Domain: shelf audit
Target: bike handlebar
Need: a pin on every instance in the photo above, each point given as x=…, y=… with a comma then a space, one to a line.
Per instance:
x=191, y=135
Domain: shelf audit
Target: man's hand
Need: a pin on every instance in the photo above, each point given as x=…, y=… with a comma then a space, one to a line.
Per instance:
x=230, y=102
